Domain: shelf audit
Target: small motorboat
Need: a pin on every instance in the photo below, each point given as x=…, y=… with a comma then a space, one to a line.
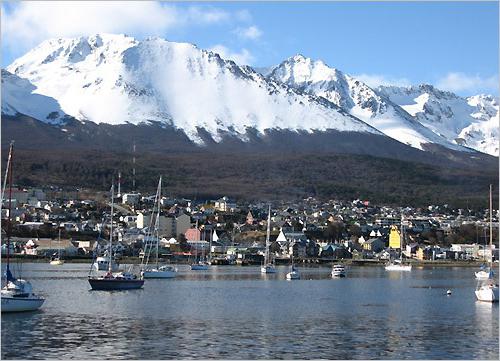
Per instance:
x=200, y=266
x=338, y=270
x=160, y=272
x=487, y=292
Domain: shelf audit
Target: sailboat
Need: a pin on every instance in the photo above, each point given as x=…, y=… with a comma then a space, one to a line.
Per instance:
x=397, y=264
x=157, y=271
x=487, y=291
x=294, y=272
x=114, y=281
x=201, y=264
x=17, y=294
x=56, y=259
x=485, y=272
x=268, y=267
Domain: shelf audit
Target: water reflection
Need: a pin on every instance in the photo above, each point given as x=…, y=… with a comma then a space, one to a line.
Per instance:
x=237, y=313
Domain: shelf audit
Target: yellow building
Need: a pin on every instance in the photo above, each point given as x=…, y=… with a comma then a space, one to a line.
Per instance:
x=394, y=238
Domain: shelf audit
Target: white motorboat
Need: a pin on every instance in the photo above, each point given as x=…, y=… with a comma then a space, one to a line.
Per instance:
x=200, y=266
x=160, y=272
x=102, y=264
x=56, y=261
x=487, y=292
x=17, y=294
x=397, y=265
x=268, y=267
x=338, y=270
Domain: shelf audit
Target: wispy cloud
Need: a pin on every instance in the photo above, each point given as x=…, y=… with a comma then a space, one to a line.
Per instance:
x=375, y=80
x=26, y=24
x=251, y=33
x=244, y=57
x=472, y=84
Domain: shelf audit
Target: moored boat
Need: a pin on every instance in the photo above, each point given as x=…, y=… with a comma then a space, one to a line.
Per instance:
x=338, y=270
x=268, y=267
x=487, y=291
x=156, y=271
x=114, y=281
x=17, y=294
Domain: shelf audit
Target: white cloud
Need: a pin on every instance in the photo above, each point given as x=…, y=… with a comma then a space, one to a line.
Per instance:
x=26, y=24
x=244, y=57
x=252, y=32
x=472, y=84
x=375, y=80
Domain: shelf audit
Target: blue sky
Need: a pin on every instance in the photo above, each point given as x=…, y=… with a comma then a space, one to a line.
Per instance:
x=453, y=45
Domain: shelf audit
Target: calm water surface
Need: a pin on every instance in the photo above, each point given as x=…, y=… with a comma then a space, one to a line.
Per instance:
x=237, y=313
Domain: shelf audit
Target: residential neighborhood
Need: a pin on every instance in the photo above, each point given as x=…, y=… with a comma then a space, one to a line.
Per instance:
x=309, y=230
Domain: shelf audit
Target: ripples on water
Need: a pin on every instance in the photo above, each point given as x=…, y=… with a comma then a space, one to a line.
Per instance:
x=237, y=313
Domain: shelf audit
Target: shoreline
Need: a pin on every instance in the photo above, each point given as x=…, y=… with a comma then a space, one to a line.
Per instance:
x=304, y=263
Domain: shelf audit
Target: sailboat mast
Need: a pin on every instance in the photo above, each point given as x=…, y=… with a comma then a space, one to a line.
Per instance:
x=268, y=234
x=491, y=230
x=158, y=193
x=111, y=231
x=9, y=225
x=402, y=236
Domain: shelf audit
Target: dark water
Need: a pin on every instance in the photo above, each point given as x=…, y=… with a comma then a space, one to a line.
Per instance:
x=237, y=313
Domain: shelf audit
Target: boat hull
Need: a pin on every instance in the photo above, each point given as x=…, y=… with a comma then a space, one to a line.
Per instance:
x=159, y=274
x=267, y=269
x=114, y=284
x=18, y=304
x=338, y=274
x=294, y=275
x=199, y=267
x=487, y=294
x=57, y=263
x=400, y=268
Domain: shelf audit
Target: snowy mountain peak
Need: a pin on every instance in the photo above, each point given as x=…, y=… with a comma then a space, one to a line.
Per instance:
x=118, y=79
x=471, y=121
x=357, y=98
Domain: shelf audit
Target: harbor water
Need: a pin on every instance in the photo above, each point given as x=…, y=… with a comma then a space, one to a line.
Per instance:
x=233, y=312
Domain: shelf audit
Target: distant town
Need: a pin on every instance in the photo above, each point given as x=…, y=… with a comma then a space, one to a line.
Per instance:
x=311, y=231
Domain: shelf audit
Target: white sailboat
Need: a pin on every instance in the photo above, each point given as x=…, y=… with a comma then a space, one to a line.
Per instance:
x=487, y=291
x=486, y=272
x=17, y=294
x=294, y=273
x=397, y=264
x=157, y=271
x=268, y=267
x=56, y=259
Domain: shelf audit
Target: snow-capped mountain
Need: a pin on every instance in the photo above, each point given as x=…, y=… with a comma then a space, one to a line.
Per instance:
x=117, y=79
x=19, y=96
x=471, y=121
x=357, y=98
